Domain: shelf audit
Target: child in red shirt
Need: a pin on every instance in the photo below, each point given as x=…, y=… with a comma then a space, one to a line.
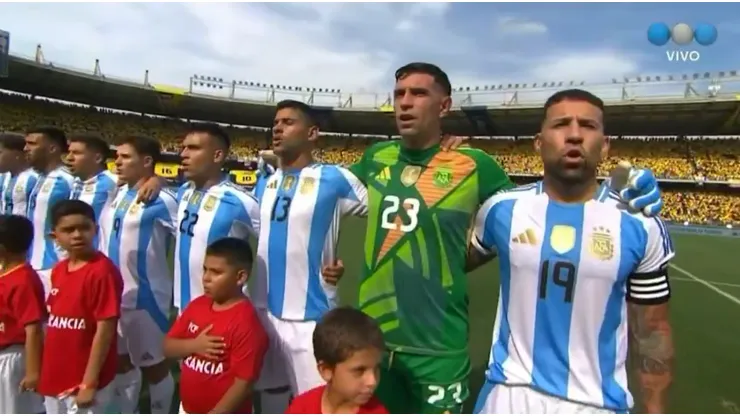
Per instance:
x=219, y=336
x=80, y=353
x=348, y=346
x=22, y=312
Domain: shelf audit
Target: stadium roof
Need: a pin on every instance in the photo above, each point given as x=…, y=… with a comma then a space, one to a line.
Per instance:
x=692, y=115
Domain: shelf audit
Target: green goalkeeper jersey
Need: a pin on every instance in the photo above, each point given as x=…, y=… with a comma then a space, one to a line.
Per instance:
x=421, y=208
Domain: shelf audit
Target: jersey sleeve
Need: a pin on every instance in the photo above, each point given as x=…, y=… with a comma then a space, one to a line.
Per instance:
x=648, y=284
x=249, y=212
x=249, y=346
x=493, y=179
x=352, y=194
x=168, y=213
x=105, y=293
x=482, y=238
x=28, y=301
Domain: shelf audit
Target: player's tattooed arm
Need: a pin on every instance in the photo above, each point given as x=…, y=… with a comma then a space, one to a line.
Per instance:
x=653, y=354
x=234, y=397
x=476, y=259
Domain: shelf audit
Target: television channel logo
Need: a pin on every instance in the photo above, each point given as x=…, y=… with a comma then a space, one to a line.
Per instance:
x=682, y=34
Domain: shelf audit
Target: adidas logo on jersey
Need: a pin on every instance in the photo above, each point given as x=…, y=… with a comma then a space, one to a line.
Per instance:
x=527, y=237
x=384, y=175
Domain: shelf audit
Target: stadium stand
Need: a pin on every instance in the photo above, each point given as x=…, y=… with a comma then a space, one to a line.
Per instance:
x=670, y=158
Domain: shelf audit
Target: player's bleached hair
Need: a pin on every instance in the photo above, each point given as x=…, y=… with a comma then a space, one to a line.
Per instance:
x=440, y=76
x=12, y=141
x=16, y=234
x=69, y=207
x=574, y=94
x=235, y=251
x=342, y=332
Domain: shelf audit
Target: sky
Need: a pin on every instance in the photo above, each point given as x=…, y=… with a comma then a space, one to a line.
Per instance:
x=356, y=47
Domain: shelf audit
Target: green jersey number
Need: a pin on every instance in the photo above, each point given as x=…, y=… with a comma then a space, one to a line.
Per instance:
x=411, y=205
x=438, y=394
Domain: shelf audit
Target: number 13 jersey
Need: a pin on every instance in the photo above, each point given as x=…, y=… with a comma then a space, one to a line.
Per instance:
x=421, y=207
x=567, y=271
x=300, y=211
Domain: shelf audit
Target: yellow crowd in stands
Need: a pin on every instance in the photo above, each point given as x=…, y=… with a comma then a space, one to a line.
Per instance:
x=670, y=159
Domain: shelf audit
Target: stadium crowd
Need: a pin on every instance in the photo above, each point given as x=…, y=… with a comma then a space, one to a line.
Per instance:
x=712, y=160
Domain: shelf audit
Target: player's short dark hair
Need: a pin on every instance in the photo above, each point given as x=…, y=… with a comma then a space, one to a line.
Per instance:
x=440, y=76
x=301, y=107
x=12, y=141
x=16, y=233
x=235, y=251
x=212, y=129
x=69, y=207
x=91, y=141
x=342, y=332
x=53, y=134
x=144, y=146
x=574, y=94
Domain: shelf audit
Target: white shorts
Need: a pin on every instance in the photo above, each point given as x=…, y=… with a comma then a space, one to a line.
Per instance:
x=294, y=340
x=103, y=400
x=140, y=337
x=12, y=371
x=274, y=372
x=45, y=276
x=501, y=399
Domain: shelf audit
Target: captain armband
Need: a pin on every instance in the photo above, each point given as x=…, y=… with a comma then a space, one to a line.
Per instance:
x=652, y=288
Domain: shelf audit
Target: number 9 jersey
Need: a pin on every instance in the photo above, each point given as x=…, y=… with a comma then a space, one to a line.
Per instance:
x=567, y=272
x=421, y=206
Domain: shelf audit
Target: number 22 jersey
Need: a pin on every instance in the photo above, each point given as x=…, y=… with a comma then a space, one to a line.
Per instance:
x=421, y=206
x=567, y=271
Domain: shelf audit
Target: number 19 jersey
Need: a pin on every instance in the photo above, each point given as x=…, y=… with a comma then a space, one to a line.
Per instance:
x=567, y=271
x=421, y=206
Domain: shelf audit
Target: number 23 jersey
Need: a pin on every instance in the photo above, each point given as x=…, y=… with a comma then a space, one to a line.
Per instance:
x=421, y=206
x=567, y=272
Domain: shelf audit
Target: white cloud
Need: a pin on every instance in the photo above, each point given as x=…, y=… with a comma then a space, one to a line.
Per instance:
x=349, y=46
x=509, y=25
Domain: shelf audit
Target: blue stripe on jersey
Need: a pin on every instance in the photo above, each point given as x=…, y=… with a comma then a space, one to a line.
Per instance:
x=276, y=244
x=316, y=301
x=114, y=243
x=633, y=237
x=7, y=193
x=145, y=297
x=186, y=241
x=501, y=221
x=553, y=315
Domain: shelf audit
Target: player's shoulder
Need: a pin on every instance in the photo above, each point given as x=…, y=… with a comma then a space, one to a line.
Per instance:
x=385, y=151
x=522, y=192
x=166, y=196
x=231, y=190
x=479, y=155
x=29, y=173
x=63, y=173
x=333, y=172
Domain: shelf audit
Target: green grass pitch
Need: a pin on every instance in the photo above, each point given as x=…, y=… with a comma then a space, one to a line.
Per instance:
x=706, y=323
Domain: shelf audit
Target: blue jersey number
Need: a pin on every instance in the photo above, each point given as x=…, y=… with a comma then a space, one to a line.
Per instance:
x=187, y=225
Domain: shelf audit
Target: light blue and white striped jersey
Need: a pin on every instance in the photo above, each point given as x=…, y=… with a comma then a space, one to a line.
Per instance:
x=204, y=216
x=300, y=212
x=97, y=191
x=567, y=271
x=16, y=191
x=49, y=189
x=136, y=237
x=3, y=178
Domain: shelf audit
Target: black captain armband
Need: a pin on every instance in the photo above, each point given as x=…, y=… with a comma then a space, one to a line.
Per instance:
x=651, y=288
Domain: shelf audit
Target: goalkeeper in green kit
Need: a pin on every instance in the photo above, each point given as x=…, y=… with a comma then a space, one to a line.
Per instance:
x=421, y=203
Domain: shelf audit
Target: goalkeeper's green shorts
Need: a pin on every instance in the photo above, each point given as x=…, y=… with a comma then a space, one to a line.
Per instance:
x=415, y=383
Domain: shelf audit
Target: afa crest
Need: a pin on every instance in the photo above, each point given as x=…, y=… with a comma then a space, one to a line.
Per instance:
x=410, y=175
x=210, y=203
x=442, y=177
x=601, y=244
x=134, y=209
x=307, y=185
x=88, y=188
x=47, y=187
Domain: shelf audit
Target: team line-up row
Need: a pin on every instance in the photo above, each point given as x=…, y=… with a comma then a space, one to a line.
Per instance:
x=560, y=241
